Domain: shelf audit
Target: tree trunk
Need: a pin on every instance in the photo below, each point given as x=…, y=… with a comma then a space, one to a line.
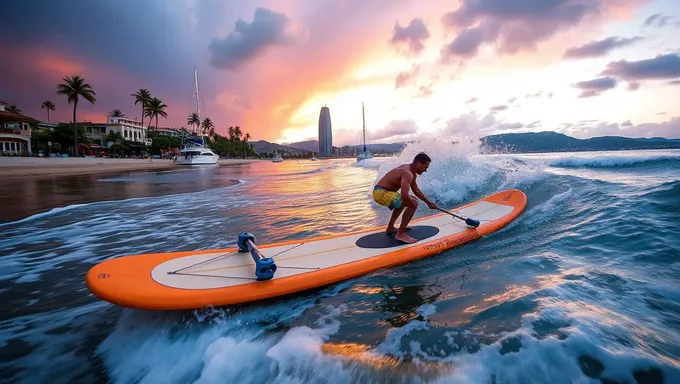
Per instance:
x=75, y=130
x=143, y=117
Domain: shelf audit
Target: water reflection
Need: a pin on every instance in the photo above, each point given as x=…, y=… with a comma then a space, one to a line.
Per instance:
x=25, y=197
x=402, y=301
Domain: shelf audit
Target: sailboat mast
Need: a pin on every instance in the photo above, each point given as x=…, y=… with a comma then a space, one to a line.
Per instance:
x=363, y=117
x=198, y=100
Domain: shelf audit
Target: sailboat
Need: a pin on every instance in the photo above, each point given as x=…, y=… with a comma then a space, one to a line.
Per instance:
x=194, y=151
x=365, y=154
x=277, y=157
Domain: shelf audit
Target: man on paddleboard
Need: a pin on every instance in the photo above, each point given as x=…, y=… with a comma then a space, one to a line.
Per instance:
x=386, y=194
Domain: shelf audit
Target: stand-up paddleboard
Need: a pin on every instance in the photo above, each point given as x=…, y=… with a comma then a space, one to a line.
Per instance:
x=250, y=272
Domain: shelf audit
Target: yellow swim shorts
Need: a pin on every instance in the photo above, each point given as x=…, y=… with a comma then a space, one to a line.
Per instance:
x=389, y=199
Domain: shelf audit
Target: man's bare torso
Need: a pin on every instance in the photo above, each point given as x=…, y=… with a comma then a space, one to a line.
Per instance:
x=392, y=179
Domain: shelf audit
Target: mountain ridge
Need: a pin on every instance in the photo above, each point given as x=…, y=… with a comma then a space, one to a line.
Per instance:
x=545, y=141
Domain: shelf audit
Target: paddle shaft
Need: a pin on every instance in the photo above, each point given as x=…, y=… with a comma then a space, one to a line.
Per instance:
x=468, y=221
x=450, y=213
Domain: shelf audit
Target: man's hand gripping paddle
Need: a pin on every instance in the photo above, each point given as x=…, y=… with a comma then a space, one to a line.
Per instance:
x=468, y=221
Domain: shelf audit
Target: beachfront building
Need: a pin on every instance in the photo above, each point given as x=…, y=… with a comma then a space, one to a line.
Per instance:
x=131, y=130
x=15, y=132
x=168, y=131
x=325, y=132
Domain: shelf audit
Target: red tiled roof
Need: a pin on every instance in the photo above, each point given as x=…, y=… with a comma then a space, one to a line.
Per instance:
x=4, y=115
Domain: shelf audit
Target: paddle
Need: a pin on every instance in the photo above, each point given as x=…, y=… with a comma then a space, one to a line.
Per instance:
x=468, y=221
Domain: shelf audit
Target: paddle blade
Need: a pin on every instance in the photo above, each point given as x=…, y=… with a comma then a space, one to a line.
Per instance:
x=471, y=222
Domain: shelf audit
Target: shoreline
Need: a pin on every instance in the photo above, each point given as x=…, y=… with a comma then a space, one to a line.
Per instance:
x=19, y=167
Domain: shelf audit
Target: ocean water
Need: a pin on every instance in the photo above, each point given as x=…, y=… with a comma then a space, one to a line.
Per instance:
x=584, y=287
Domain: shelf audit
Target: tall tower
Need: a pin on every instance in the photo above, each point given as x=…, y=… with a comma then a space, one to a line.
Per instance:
x=325, y=132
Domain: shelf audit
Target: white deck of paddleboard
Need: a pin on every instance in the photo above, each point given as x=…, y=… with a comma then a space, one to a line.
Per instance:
x=209, y=271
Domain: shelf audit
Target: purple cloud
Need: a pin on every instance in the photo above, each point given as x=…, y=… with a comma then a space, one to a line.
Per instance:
x=395, y=128
x=657, y=20
x=404, y=78
x=511, y=25
x=599, y=48
x=413, y=35
x=510, y=126
x=497, y=108
x=595, y=87
x=473, y=100
x=249, y=40
x=658, y=68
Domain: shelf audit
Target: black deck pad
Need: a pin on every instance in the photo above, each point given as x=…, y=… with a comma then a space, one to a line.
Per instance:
x=385, y=240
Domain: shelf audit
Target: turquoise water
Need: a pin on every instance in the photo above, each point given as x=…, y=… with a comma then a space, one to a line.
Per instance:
x=583, y=287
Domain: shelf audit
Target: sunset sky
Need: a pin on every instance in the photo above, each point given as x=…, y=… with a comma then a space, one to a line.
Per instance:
x=446, y=68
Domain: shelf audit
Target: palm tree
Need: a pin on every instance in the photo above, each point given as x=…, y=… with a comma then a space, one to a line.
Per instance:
x=142, y=96
x=245, y=144
x=14, y=109
x=194, y=120
x=49, y=106
x=208, y=127
x=237, y=132
x=74, y=88
x=156, y=108
x=116, y=113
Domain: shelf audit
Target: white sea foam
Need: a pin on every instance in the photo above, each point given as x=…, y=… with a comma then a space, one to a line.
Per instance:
x=610, y=161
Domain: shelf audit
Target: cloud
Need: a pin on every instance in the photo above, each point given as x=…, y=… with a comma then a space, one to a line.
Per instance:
x=674, y=82
x=599, y=48
x=658, y=68
x=633, y=86
x=470, y=124
x=425, y=91
x=595, y=87
x=511, y=25
x=510, y=126
x=657, y=20
x=534, y=124
x=413, y=35
x=406, y=77
x=497, y=108
x=473, y=100
x=466, y=44
x=395, y=128
x=249, y=40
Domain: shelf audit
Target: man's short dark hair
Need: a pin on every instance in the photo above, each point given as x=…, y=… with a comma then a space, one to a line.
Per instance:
x=422, y=158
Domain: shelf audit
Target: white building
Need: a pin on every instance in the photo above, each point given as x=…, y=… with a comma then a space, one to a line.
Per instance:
x=15, y=132
x=131, y=130
x=168, y=131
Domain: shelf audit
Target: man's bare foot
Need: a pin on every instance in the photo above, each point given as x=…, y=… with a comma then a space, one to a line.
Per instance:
x=394, y=229
x=405, y=238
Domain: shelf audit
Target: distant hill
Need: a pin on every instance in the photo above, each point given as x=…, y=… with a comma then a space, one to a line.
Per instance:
x=504, y=143
x=558, y=142
x=263, y=146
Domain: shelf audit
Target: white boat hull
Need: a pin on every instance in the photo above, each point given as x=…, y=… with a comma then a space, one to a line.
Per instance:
x=364, y=156
x=197, y=160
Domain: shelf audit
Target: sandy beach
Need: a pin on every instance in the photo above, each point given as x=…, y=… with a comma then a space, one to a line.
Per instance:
x=16, y=167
